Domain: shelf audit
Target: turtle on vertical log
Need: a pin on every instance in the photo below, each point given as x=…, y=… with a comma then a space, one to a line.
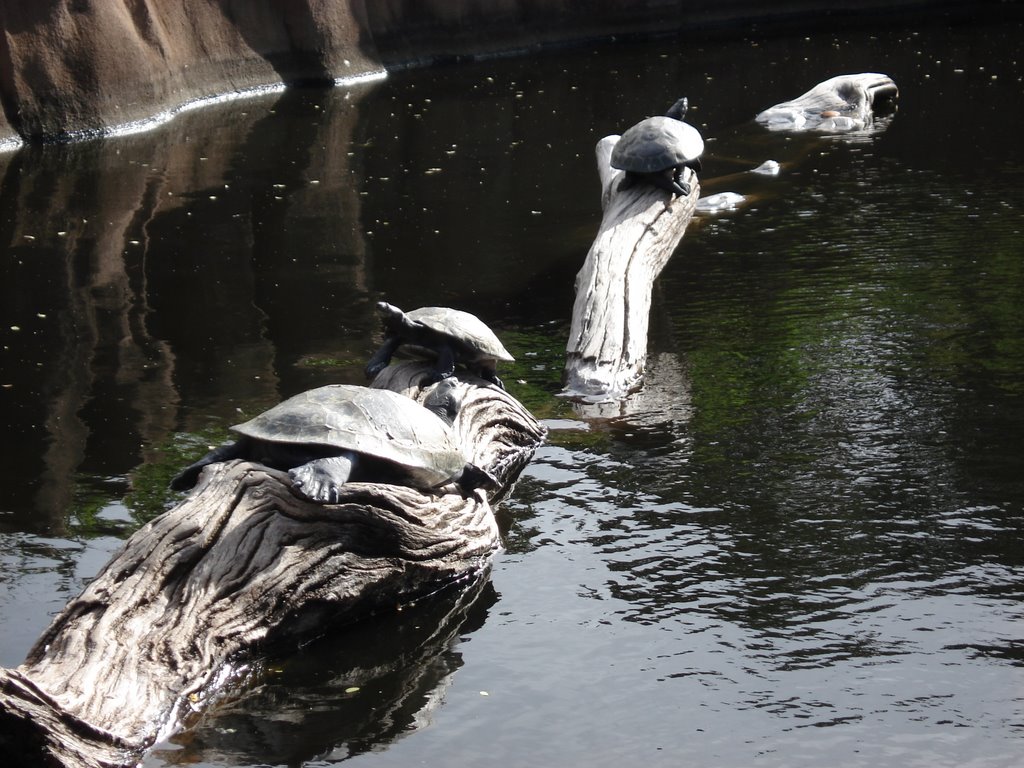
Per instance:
x=656, y=150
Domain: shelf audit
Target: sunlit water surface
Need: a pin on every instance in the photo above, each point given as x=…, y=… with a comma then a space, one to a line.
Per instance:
x=798, y=545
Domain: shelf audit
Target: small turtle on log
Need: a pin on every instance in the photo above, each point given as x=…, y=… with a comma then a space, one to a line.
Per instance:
x=335, y=434
x=657, y=149
x=448, y=335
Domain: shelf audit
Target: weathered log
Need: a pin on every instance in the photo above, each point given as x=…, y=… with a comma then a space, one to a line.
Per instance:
x=244, y=565
x=641, y=227
x=838, y=105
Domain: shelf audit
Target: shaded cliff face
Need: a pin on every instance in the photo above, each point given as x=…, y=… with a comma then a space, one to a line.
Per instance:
x=84, y=65
x=69, y=66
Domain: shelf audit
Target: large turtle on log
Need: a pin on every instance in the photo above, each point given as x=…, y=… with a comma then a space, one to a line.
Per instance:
x=339, y=433
x=656, y=150
x=448, y=335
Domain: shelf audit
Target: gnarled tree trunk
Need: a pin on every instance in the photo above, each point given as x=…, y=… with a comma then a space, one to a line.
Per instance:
x=243, y=564
x=640, y=229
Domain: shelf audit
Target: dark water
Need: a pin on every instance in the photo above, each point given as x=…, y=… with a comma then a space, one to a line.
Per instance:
x=799, y=545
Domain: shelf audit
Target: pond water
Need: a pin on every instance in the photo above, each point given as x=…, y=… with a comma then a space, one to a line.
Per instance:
x=800, y=544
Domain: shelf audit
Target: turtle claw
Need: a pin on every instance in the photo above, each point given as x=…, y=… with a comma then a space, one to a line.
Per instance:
x=679, y=186
x=321, y=480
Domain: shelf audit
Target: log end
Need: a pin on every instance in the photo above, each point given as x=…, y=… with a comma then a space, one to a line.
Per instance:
x=35, y=732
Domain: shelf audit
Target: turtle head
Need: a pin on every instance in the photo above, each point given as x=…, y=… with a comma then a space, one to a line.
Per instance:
x=678, y=110
x=391, y=316
x=444, y=401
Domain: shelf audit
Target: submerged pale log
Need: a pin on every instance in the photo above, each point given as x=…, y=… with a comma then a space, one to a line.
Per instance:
x=841, y=104
x=241, y=565
x=640, y=229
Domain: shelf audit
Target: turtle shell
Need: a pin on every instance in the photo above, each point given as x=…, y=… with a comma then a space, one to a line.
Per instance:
x=468, y=329
x=373, y=422
x=656, y=144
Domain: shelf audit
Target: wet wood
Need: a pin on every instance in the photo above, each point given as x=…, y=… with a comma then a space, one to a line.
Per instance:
x=641, y=227
x=837, y=105
x=240, y=566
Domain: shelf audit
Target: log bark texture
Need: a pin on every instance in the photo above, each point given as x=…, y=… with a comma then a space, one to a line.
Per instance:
x=243, y=564
x=641, y=226
x=840, y=104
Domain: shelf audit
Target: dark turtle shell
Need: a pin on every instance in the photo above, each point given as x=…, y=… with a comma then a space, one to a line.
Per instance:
x=465, y=328
x=372, y=422
x=656, y=144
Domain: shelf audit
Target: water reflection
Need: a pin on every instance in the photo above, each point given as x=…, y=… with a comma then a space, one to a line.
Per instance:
x=150, y=271
x=383, y=681
x=778, y=598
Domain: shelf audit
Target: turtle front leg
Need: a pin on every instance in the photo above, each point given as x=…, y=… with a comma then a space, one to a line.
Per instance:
x=668, y=180
x=321, y=480
x=445, y=365
x=679, y=186
x=382, y=357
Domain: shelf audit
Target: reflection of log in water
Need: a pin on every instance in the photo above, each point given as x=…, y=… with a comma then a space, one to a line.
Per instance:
x=78, y=293
x=241, y=565
x=343, y=696
x=100, y=263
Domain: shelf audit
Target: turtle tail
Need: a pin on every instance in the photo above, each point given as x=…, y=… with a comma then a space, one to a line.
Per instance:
x=190, y=474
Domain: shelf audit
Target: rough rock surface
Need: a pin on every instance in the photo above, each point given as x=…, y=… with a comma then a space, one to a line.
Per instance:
x=84, y=65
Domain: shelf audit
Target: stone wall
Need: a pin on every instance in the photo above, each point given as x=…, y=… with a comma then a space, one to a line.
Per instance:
x=69, y=66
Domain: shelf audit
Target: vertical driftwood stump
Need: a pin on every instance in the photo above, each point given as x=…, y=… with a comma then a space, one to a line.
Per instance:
x=243, y=564
x=640, y=229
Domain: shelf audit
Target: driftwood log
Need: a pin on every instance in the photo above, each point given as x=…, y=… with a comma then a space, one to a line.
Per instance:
x=241, y=566
x=840, y=104
x=641, y=226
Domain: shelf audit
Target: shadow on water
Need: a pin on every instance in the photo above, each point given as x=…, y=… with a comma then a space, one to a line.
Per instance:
x=798, y=544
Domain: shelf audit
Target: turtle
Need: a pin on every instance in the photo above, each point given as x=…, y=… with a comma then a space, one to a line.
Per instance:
x=657, y=149
x=330, y=435
x=449, y=335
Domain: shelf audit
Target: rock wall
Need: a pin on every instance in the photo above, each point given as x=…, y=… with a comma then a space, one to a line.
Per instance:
x=70, y=66
x=85, y=65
